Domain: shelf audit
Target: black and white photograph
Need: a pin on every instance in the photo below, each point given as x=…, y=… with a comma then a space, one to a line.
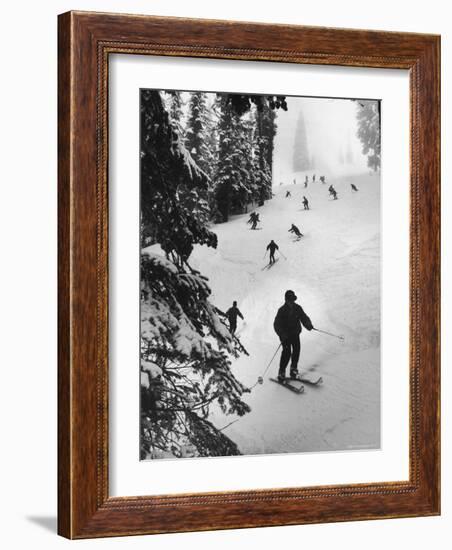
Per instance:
x=259, y=274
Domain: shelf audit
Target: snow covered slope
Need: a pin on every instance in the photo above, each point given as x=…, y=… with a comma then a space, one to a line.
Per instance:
x=334, y=270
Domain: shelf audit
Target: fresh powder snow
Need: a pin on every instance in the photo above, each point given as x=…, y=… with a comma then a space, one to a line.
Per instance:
x=335, y=272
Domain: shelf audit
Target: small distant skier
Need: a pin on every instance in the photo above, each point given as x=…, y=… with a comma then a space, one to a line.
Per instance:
x=288, y=194
x=294, y=229
x=305, y=203
x=272, y=247
x=353, y=186
x=232, y=313
x=306, y=182
x=254, y=219
x=322, y=179
x=333, y=192
x=288, y=325
x=313, y=177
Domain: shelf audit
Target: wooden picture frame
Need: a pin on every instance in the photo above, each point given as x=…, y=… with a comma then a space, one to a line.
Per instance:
x=86, y=40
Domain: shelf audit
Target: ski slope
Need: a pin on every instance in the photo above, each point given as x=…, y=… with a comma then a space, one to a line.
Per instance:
x=334, y=270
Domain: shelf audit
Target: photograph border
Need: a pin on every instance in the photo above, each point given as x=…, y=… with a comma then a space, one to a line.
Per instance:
x=85, y=41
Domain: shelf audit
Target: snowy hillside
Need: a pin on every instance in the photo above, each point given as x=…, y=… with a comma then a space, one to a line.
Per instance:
x=334, y=270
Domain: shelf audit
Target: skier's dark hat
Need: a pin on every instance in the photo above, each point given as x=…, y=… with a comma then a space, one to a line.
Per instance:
x=290, y=295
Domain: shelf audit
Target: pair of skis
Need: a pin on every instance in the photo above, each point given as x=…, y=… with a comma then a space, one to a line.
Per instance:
x=296, y=384
x=268, y=266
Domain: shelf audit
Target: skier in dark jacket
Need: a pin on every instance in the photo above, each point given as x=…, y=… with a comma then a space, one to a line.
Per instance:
x=256, y=220
x=353, y=186
x=305, y=203
x=288, y=194
x=272, y=247
x=306, y=182
x=232, y=313
x=294, y=229
x=332, y=192
x=287, y=325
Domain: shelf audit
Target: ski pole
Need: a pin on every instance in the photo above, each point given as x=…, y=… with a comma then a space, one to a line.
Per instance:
x=329, y=333
x=260, y=380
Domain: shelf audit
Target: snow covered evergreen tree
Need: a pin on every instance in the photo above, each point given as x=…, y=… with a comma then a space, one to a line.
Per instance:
x=266, y=131
x=176, y=112
x=368, y=115
x=211, y=153
x=185, y=345
x=202, y=141
x=230, y=186
x=301, y=158
x=198, y=126
x=247, y=129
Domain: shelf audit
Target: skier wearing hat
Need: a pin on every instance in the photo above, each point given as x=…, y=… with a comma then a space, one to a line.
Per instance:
x=272, y=247
x=287, y=325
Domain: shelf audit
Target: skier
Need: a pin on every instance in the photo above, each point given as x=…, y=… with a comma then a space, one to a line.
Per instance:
x=251, y=218
x=272, y=247
x=294, y=229
x=353, y=186
x=313, y=177
x=232, y=313
x=306, y=181
x=288, y=194
x=287, y=325
x=332, y=192
x=322, y=179
x=255, y=221
x=305, y=203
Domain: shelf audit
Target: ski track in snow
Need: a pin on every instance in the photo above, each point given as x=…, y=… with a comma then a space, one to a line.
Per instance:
x=334, y=270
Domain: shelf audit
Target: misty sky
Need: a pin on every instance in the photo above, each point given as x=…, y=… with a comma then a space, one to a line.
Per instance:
x=330, y=126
